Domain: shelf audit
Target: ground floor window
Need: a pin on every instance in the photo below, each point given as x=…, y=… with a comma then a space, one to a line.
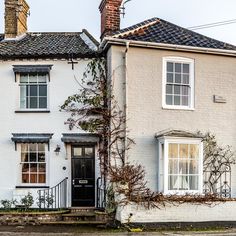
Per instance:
x=180, y=165
x=33, y=163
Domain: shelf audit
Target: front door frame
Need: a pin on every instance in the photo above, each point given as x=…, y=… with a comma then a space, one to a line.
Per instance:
x=89, y=145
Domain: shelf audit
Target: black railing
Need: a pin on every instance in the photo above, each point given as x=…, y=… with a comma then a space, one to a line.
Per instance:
x=101, y=193
x=55, y=197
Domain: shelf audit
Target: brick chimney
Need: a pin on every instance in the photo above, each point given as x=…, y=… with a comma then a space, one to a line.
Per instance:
x=16, y=13
x=110, y=16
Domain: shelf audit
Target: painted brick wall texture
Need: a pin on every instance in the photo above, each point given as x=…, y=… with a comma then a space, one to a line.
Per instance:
x=214, y=75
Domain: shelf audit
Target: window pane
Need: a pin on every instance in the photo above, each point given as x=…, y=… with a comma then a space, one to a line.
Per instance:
x=33, y=77
x=33, y=168
x=185, y=68
x=42, y=90
x=183, y=150
x=178, y=78
x=183, y=182
x=176, y=100
x=25, y=168
x=169, y=89
x=41, y=157
x=194, y=151
x=173, y=166
x=23, y=78
x=42, y=78
x=178, y=67
x=193, y=168
x=170, y=66
x=173, y=150
x=183, y=167
x=33, y=178
x=33, y=90
x=42, y=102
x=88, y=151
x=41, y=147
x=23, y=96
x=24, y=148
x=172, y=182
x=33, y=102
x=177, y=90
x=185, y=100
x=33, y=147
x=24, y=157
x=193, y=182
x=42, y=168
x=42, y=178
x=25, y=178
x=185, y=90
x=170, y=77
x=169, y=100
x=33, y=157
x=77, y=151
x=185, y=79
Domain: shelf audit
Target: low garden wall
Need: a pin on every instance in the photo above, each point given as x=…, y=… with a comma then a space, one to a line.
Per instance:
x=185, y=212
x=29, y=218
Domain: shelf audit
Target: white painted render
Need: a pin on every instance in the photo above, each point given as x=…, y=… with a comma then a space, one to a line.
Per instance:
x=143, y=73
x=62, y=84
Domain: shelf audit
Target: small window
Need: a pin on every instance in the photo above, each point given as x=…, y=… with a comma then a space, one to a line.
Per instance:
x=178, y=76
x=33, y=91
x=33, y=163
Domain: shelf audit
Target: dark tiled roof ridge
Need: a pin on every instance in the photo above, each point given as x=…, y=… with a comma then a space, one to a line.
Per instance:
x=126, y=32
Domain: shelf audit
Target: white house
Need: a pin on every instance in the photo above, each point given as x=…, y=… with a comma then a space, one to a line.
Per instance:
x=172, y=82
x=38, y=152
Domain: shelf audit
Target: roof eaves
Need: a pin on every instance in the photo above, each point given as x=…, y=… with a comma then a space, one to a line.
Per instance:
x=107, y=41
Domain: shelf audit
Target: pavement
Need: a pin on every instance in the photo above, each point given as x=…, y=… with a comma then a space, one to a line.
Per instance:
x=79, y=231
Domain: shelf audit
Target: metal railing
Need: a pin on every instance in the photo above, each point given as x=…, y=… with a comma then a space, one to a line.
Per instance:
x=55, y=197
x=101, y=193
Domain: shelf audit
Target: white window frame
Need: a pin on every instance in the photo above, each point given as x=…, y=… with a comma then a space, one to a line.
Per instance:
x=20, y=183
x=32, y=109
x=163, y=181
x=191, y=79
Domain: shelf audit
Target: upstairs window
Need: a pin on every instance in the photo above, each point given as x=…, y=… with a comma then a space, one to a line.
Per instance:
x=33, y=91
x=178, y=83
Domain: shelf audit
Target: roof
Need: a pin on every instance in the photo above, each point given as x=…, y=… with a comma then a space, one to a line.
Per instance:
x=49, y=45
x=156, y=30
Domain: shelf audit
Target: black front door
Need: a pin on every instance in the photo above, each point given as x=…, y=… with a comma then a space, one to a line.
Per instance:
x=83, y=176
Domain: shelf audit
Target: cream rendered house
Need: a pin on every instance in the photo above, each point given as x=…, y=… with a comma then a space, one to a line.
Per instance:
x=172, y=82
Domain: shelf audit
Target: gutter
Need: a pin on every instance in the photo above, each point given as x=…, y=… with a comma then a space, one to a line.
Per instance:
x=107, y=41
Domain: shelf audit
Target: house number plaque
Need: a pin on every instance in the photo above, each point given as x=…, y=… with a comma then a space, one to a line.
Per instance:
x=83, y=181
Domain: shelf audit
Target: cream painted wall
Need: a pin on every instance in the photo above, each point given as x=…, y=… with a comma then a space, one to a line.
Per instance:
x=62, y=84
x=214, y=75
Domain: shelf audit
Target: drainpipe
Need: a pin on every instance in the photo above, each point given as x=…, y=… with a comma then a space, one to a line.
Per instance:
x=126, y=90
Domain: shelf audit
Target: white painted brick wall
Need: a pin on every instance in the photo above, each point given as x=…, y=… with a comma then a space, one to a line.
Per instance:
x=182, y=213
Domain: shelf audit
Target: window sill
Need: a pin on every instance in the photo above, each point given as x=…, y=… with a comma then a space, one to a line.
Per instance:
x=31, y=186
x=178, y=108
x=32, y=111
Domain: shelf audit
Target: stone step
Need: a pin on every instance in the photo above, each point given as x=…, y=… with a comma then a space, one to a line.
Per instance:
x=75, y=223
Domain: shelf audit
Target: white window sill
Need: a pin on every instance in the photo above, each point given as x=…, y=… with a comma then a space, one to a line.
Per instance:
x=178, y=108
x=182, y=193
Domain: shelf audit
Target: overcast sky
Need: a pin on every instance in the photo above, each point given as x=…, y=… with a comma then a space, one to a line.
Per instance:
x=74, y=15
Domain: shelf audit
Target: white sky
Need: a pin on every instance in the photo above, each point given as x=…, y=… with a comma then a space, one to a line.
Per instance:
x=74, y=15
